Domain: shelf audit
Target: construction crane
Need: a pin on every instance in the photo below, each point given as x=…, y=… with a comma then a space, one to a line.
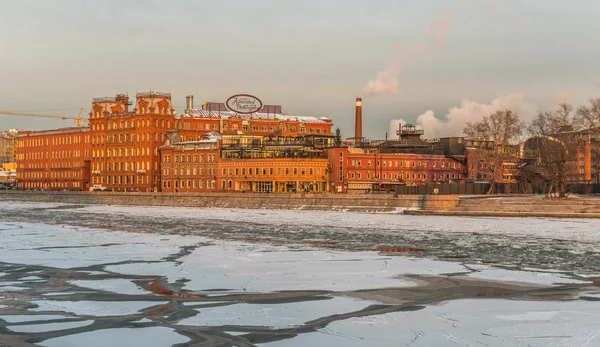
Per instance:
x=78, y=120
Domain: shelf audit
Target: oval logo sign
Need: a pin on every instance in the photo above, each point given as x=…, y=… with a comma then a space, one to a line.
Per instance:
x=244, y=103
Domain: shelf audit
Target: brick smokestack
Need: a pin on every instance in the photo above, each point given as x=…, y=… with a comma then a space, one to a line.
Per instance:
x=358, y=121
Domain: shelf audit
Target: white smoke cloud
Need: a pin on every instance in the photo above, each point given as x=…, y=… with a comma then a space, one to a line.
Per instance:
x=439, y=28
x=395, y=126
x=386, y=81
x=453, y=123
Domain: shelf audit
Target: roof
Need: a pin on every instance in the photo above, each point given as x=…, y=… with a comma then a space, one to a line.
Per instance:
x=260, y=115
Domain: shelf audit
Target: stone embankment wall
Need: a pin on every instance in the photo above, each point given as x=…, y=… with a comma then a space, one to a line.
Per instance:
x=574, y=207
x=326, y=202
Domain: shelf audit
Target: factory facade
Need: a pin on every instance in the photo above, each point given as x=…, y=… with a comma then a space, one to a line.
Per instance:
x=151, y=148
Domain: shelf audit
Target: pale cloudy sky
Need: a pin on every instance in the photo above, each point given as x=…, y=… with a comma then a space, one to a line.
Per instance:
x=314, y=57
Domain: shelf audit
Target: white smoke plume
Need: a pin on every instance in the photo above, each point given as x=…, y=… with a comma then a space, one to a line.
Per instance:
x=453, y=123
x=395, y=125
x=439, y=28
x=386, y=82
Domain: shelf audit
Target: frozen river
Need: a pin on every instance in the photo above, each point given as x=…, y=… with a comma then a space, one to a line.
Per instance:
x=75, y=275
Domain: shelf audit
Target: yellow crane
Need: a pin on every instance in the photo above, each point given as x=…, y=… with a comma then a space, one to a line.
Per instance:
x=78, y=120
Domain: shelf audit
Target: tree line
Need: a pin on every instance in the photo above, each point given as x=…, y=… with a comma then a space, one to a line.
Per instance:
x=550, y=153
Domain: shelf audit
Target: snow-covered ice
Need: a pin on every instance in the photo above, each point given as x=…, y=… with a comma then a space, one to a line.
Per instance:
x=30, y=318
x=93, y=308
x=116, y=285
x=38, y=328
x=130, y=337
x=284, y=315
x=101, y=268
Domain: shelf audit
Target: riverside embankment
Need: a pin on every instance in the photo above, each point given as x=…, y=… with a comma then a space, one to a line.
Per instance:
x=325, y=202
x=520, y=206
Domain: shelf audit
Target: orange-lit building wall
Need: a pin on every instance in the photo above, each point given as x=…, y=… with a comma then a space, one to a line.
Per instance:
x=191, y=170
x=279, y=175
x=354, y=170
x=54, y=159
x=193, y=127
x=190, y=167
x=125, y=143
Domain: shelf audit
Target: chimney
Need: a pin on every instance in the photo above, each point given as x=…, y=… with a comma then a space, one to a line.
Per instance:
x=358, y=122
x=189, y=103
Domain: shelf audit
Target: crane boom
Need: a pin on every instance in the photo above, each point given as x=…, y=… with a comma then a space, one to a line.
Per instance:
x=78, y=120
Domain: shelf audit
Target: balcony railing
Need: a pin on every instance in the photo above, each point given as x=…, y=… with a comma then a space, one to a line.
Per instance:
x=153, y=93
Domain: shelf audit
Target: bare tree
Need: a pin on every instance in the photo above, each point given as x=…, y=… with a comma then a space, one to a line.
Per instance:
x=589, y=115
x=503, y=130
x=552, y=150
x=553, y=122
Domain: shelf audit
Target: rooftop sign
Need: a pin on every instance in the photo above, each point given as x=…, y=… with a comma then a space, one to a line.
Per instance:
x=244, y=103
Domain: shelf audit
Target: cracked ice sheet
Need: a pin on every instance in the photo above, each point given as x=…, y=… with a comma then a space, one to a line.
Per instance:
x=93, y=308
x=80, y=247
x=39, y=328
x=535, y=277
x=470, y=322
x=284, y=315
x=265, y=268
x=115, y=285
x=229, y=265
x=140, y=337
x=20, y=318
x=261, y=268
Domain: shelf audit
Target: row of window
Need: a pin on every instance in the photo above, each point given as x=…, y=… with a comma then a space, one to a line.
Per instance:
x=255, y=128
x=45, y=185
x=210, y=158
x=52, y=174
x=391, y=163
x=271, y=171
x=53, y=155
x=121, y=179
x=400, y=176
x=189, y=172
x=123, y=166
x=123, y=152
x=131, y=124
x=128, y=138
x=52, y=165
x=56, y=140
x=189, y=184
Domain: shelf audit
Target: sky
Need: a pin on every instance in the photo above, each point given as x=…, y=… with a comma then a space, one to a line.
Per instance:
x=434, y=63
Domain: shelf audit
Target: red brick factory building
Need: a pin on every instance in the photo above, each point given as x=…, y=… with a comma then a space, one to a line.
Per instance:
x=151, y=148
